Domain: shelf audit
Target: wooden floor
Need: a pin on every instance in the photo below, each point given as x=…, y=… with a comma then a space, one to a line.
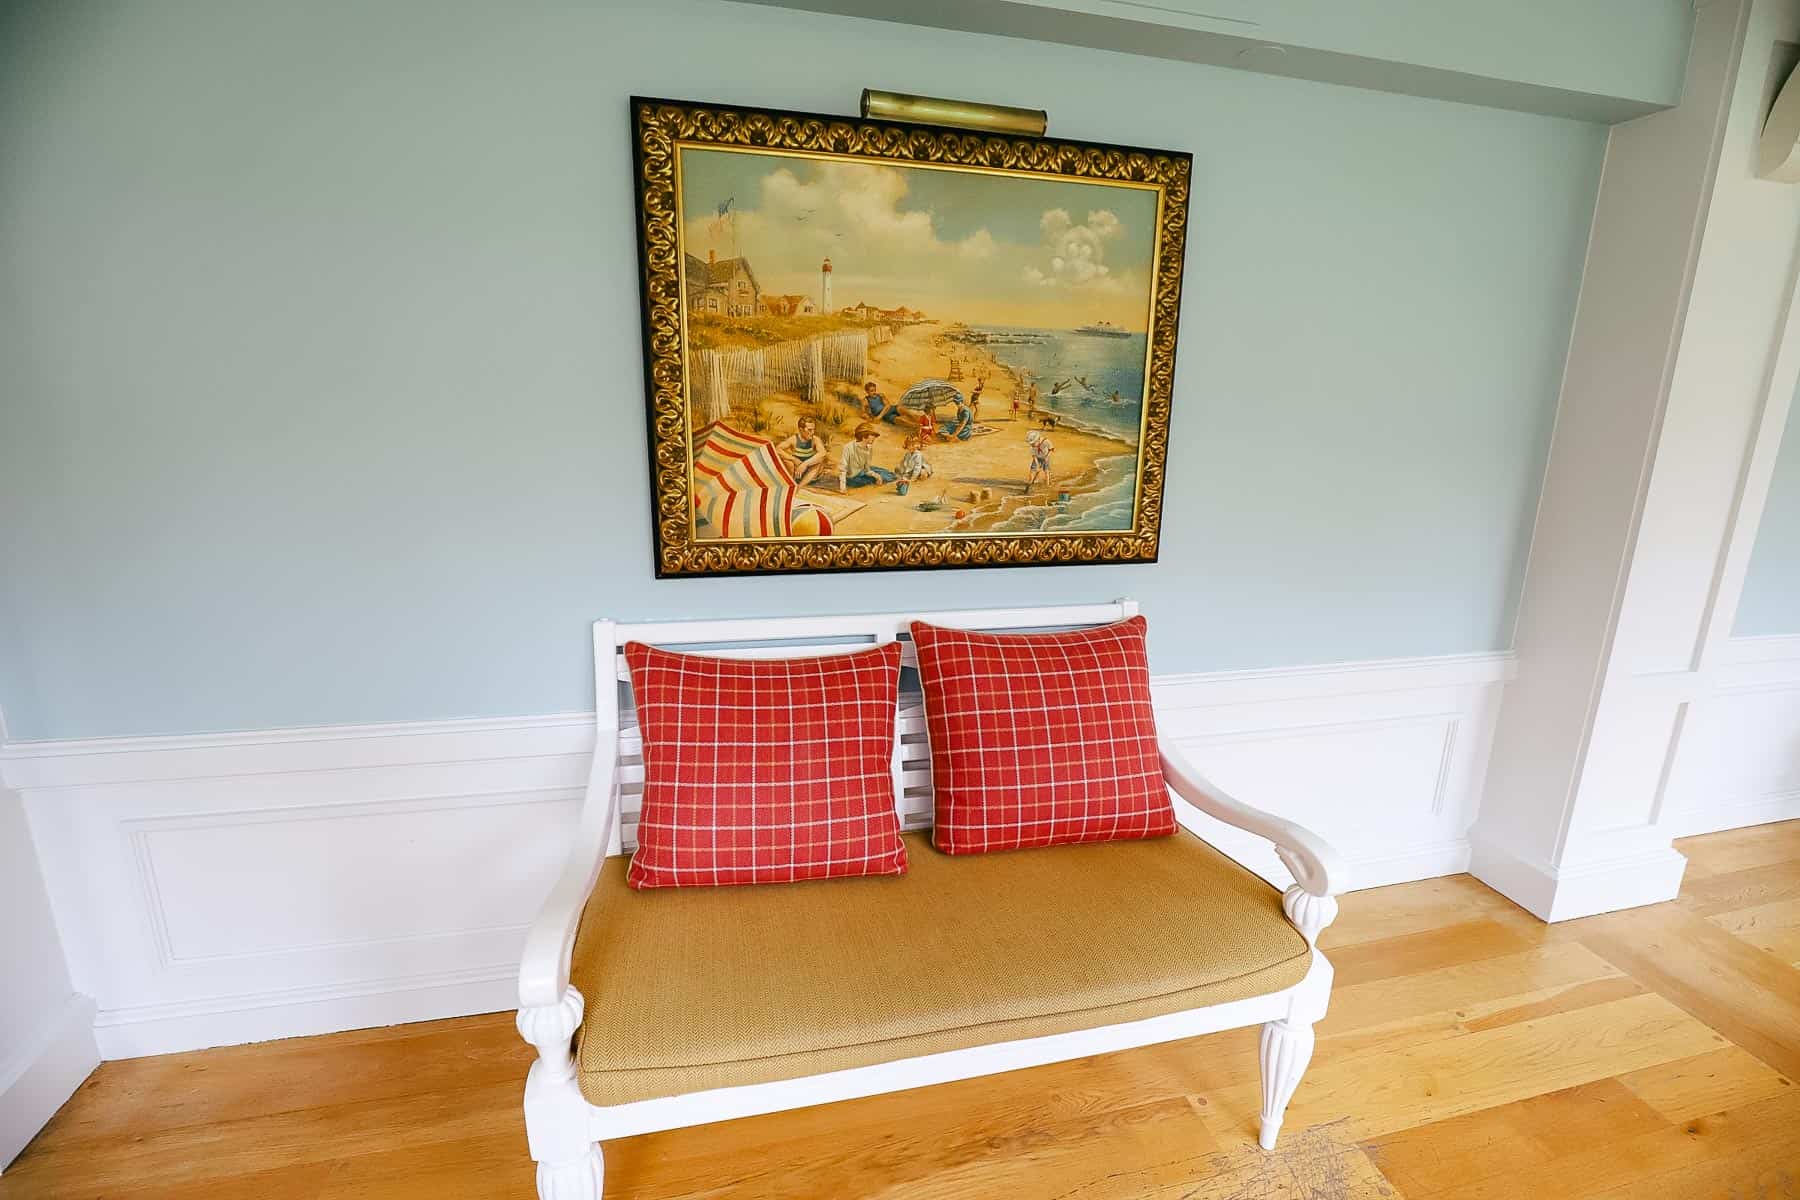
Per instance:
x=1470, y=1052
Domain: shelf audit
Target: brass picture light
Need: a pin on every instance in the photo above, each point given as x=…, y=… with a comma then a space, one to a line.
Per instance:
x=963, y=114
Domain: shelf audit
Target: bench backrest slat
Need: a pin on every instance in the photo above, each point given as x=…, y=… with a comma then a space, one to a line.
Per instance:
x=795, y=637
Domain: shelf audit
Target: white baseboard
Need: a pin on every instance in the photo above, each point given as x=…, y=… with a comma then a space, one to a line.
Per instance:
x=44, y=1072
x=1424, y=862
x=1764, y=809
x=1567, y=893
x=267, y=1017
x=225, y=888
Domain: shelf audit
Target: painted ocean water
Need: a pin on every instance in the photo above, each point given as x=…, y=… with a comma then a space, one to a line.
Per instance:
x=1107, y=507
x=1078, y=374
x=1078, y=377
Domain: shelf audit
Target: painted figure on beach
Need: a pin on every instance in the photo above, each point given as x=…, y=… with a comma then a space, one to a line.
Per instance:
x=962, y=426
x=928, y=422
x=913, y=466
x=876, y=405
x=804, y=450
x=1040, y=446
x=856, y=466
x=875, y=324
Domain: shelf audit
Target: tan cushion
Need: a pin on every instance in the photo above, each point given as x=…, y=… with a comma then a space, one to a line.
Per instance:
x=696, y=988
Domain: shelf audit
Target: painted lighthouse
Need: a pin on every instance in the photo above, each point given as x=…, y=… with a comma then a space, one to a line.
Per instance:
x=825, y=287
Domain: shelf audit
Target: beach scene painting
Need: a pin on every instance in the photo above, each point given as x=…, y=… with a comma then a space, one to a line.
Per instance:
x=894, y=353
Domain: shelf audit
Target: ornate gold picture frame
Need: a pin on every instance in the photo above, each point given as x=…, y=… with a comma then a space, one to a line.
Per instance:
x=877, y=346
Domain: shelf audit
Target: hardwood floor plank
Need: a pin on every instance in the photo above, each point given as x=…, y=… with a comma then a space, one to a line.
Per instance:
x=1410, y=908
x=1781, y=944
x=145, y=1095
x=1164, y=1145
x=202, y=1155
x=488, y=1165
x=1426, y=1159
x=1463, y=990
x=1400, y=1088
x=1759, y=918
x=1567, y=999
x=1414, y=1009
x=1712, y=894
x=1729, y=1077
x=1741, y=849
x=968, y=1126
x=1749, y=996
x=32, y=1182
x=1731, y=1146
x=1765, y=1171
x=1430, y=950
x=1013, y=1152
x=1772, y=927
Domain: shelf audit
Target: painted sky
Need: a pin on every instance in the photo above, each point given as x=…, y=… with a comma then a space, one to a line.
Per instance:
x=959, y=245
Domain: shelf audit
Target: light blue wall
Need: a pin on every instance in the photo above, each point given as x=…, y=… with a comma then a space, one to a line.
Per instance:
x=1771, y=601
x=322, y=387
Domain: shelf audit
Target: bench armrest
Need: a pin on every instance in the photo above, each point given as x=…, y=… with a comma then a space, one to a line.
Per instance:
x=544, y=968
x=1318, y=869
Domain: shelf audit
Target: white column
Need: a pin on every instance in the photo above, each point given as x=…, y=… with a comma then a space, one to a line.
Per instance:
x=1673, y=392
x=46, y=1028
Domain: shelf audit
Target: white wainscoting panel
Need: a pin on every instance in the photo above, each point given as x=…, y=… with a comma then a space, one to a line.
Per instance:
x=1384, y=759
x=240, y=887
x=1742, y=766
x=214, y=889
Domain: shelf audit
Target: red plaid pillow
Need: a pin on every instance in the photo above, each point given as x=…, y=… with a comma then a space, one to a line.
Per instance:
x=765, y=771
x=1041, y=739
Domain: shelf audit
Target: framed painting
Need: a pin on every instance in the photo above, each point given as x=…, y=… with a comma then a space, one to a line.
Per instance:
x=871, y=345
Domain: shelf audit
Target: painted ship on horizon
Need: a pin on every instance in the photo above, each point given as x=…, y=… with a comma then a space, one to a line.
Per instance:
x=1101, y=329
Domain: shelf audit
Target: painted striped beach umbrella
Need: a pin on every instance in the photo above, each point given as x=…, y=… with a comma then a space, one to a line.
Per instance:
x=742, y=489
x=930, y=391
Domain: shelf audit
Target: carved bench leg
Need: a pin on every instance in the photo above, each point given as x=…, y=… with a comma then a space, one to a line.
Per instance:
x=579, y=1179
x=1286, y=1049
x=569, y=1165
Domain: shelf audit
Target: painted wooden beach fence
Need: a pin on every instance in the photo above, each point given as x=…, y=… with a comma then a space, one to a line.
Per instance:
x=741, y=376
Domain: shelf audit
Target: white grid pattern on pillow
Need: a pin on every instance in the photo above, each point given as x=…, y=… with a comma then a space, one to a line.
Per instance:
x=1041, y=739
x=766, y=770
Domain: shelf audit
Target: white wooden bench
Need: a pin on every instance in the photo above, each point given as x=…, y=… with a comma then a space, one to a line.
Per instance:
x=564, y=1129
